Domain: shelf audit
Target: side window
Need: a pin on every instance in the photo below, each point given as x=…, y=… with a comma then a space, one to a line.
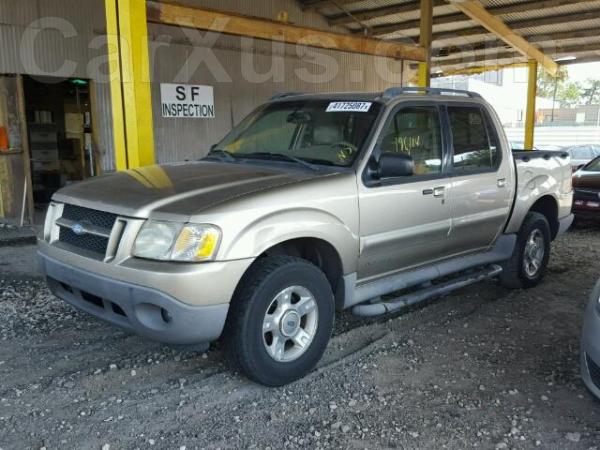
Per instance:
x=474, y=141
x=416, y=132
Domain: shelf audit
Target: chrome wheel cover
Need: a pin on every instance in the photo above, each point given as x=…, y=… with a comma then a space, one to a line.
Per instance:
x=290, y=324
x=533, y=255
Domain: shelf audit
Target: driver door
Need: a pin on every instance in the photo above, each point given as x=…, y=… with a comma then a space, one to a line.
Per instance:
x=405, y=221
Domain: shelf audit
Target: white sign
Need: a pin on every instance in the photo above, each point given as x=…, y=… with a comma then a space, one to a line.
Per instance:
x=349, y=107
x=187, y=101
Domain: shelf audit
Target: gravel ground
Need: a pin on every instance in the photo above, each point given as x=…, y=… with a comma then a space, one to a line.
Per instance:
x=484, y=367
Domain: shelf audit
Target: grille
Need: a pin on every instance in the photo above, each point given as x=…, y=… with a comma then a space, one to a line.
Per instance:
x=99, y=218
x=594, y=371
x=88, y=242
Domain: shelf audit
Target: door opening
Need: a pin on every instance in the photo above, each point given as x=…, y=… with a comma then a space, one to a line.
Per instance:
x=59, y=126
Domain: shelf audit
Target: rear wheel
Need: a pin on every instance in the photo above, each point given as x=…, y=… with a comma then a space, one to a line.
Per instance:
x=280, y=320
x=528, y=262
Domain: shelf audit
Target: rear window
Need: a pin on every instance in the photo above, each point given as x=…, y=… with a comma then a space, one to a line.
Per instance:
x=474, y=141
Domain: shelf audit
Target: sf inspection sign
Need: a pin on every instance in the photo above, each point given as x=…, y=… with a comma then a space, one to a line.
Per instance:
x=187, y=101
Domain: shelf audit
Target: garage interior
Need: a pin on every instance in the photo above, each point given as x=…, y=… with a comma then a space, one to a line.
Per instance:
x=59, y=130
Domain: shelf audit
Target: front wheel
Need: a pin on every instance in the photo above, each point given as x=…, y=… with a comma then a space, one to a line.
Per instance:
x=528, y=262
x=280, y=320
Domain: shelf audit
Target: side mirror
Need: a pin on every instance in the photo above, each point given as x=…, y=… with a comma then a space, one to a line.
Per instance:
x=395, y=165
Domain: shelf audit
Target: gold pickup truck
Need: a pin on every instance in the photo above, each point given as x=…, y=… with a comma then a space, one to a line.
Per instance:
x=312, y=203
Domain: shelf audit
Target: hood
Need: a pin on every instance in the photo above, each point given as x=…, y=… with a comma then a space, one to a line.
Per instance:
x=176, y=190
x=587, y=180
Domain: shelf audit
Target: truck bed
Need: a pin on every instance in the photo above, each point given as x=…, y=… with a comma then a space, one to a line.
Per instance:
x=540, y=173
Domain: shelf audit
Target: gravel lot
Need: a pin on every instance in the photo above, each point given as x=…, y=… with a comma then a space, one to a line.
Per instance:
x=485, y=367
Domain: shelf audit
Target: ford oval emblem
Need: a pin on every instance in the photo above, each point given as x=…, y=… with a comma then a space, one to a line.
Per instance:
x=78, y=229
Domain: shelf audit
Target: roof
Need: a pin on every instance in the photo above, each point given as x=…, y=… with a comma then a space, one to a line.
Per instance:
x=563, y=29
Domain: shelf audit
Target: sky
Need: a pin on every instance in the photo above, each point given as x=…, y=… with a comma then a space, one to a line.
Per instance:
x=581, y=72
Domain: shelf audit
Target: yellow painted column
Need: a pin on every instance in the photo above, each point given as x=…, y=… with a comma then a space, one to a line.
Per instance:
x=425, y=40
x=127, y=31
x=530, y=112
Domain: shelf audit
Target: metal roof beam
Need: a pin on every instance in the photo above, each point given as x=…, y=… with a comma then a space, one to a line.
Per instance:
x=368, y=14
x=477, y=12
x=318, y=4
x=570, y=49
x=448, y=50
x=472, y=31
x=583, y=59
x=478, y=69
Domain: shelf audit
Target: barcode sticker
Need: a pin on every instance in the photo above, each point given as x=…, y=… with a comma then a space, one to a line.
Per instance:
x=349, y=106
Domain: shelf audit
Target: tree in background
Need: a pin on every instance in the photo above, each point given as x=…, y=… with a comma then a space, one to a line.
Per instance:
x=591, y=92
x=566, y=93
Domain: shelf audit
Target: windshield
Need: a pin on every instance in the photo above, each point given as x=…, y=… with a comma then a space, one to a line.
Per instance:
x=315, y=131
x=593, y=166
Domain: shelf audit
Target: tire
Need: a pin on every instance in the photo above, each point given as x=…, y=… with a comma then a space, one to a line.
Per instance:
x=519, y=271
x=286, y=287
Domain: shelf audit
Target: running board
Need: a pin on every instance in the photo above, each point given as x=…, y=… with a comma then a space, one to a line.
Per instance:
x=388, y=306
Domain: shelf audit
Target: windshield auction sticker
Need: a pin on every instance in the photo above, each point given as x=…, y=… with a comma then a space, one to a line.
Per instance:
x=349, y=107
x=187, y=101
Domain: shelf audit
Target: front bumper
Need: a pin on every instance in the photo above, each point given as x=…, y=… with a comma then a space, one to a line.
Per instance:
x=590, y=345
x=153, y=304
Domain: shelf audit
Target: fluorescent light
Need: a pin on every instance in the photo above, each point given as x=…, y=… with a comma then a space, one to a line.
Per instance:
x=566, y=58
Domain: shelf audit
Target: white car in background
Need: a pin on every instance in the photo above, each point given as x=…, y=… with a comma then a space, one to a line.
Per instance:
x=582, y=154
x=520, y=145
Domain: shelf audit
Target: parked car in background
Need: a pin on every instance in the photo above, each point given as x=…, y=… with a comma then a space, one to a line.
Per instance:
x=582, y=154
x=549, y=147
x=586, y=185
x=519, y=145
x=311, y=204
x=590, y=343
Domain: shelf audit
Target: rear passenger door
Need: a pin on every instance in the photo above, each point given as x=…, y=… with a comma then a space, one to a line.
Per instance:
x=482, y=186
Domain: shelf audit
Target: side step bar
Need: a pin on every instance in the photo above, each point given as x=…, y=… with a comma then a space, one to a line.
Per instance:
x=388, y=306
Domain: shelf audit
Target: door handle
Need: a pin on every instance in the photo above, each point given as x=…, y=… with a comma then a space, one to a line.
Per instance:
x=502, y=182
x=427, y=191
x=439, y=191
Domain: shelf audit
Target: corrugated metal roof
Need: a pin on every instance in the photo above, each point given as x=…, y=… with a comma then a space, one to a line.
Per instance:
x=547, y=26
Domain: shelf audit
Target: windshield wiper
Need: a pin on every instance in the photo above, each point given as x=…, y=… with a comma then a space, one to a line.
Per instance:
x=222, y=154
x=268, y=155
x=324, y=162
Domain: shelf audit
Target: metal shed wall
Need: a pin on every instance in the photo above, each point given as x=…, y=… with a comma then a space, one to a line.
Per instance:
x=75, y=49
x=235, y=95
x=179, y=139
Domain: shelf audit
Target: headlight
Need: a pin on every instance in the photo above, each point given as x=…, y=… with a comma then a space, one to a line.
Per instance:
x=177, y=242
x=196, y=243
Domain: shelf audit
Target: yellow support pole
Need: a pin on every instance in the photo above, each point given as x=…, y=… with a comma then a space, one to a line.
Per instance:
x=425, y=39
x=129, y=65
x=531, y=95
